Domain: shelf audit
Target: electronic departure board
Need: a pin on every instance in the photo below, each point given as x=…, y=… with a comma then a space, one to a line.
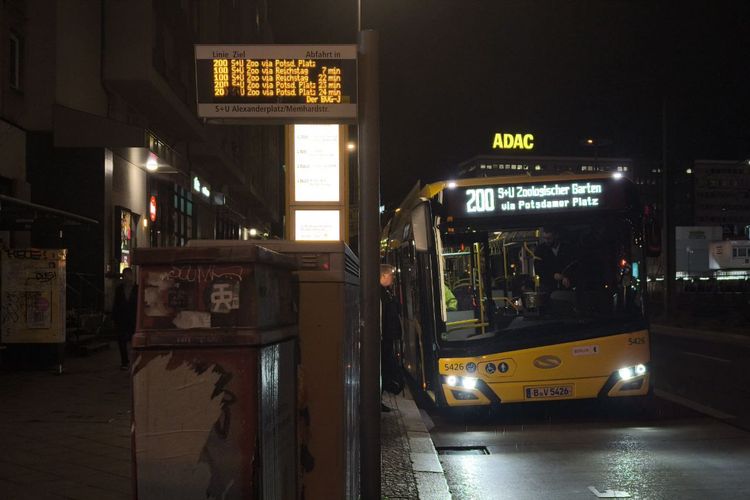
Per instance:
x=535, y=198
x=277, y=82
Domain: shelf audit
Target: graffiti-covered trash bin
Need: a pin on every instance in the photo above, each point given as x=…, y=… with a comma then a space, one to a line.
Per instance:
x=214, y=374
x=329, y=346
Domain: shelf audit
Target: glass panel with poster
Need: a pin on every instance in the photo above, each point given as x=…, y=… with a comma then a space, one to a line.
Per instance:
x=125, y=237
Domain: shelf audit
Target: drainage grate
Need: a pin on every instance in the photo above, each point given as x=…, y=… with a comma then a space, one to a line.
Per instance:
x=462, y=450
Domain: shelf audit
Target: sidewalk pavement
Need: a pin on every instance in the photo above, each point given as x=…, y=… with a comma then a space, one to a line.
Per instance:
x=68, y=436
x=410, y=467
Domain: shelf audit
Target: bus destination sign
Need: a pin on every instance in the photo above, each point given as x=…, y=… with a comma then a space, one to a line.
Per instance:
x=277, y=83
x=526, y=198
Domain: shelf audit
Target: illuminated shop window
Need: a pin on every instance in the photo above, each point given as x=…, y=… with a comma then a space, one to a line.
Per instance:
x=182, y=216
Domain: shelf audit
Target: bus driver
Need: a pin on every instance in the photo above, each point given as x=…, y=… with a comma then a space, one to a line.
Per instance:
x=555, y=261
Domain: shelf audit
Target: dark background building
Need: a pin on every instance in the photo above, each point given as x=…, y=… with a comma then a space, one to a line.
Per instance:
x=97, y=119
x=722, y=196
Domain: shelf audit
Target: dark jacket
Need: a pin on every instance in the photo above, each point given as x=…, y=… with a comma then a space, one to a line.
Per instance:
x=391, y=322
x=124, y=310
x=392, y=378
x=549, y=264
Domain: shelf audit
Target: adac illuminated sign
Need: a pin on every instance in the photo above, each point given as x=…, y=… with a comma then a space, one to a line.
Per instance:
x=513, y=141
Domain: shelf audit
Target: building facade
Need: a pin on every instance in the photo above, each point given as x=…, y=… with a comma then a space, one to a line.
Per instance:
x=722, y=196
x=98, y=130
x=490, y=165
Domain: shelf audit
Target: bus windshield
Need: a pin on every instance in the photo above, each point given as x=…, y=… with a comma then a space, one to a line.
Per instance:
x=542, y=280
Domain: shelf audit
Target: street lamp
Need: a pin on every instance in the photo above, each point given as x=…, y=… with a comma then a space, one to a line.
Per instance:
x=152, y=163
x=596, y=143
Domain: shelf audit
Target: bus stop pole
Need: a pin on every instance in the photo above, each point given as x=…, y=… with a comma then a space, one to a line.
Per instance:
x=668, y=243
x=369, y=257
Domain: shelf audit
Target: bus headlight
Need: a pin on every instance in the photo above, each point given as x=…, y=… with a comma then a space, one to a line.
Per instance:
x=632, y=371
x=462, y=383
x=469, y=383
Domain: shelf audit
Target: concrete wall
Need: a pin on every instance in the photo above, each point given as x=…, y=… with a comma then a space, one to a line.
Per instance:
x=38, y=70
x=13, y=166
x=12, y=152
x=78, y=56
x=204, y=218
x=73, y=180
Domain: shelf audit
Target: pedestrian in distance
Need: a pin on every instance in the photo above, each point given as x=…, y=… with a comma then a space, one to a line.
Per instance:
x=124, y=310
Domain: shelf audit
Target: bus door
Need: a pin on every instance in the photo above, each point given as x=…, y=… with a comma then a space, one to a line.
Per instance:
x=408, y=289
x=466, y=287
x=415, y=262
x=426, y=300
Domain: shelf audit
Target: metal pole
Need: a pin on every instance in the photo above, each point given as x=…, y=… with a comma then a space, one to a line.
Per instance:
x=369, y=258
x=667, y=240
x=359, y=16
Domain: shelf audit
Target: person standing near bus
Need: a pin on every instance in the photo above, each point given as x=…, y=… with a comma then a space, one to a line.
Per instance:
x=392, y=380
x=554, y=261
x=451, y=303
x=124, y=310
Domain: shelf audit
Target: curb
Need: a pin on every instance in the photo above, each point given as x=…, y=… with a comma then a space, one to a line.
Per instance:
x=428, y=471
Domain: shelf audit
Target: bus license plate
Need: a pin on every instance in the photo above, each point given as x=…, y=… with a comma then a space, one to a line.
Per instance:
x=549, y=391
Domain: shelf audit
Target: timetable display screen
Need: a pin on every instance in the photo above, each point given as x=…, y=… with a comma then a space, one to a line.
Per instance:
x=530, y=199
x=270, y=81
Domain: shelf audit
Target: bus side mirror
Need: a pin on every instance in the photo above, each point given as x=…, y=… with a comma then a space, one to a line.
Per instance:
x=651, y=233
x=437, y=209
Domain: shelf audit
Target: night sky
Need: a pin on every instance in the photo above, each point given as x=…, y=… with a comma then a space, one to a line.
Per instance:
x=454, y=72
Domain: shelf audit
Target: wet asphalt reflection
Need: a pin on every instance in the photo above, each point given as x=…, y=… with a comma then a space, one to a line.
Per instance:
x=646, y=448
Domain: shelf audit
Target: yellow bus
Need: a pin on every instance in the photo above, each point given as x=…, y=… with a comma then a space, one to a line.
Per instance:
x=516, y=288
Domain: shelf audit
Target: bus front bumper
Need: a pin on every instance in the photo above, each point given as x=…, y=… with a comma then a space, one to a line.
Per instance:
x=477, y=392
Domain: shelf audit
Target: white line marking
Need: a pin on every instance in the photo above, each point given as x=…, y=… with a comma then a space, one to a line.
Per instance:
x=712, y=358
x=707, y=410
x=609, y=493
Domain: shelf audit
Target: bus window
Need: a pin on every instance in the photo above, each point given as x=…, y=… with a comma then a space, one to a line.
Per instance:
x=420, y=226
x=541, y=280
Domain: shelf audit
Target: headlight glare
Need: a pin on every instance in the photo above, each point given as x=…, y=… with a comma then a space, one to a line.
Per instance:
x=469, y=383
x=626, y=373
x=629, y=372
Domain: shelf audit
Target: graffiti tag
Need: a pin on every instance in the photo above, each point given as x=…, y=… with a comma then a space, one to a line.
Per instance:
x=204, y=274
